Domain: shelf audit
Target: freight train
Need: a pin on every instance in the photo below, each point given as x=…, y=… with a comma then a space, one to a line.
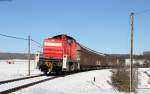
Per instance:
x=63, y=53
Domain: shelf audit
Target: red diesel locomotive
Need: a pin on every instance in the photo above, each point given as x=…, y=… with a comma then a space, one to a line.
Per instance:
x=58, y=54
x=62, y=53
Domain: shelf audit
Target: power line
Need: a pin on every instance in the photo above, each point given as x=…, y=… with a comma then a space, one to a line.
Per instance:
x=141, y=12
x=13, y=37
x=36, y=42
x=20, y=38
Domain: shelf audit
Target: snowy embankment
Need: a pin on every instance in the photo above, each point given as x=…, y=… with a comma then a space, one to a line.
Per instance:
x=144, y=81
x=80, y=83
x=10, y=69
x=83, y=83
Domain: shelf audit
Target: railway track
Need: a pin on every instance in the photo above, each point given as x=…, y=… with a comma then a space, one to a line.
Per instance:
x=14, y=85
x=32, y=80
x=17, y=79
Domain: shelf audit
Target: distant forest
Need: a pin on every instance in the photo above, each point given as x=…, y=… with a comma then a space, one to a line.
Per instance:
x=6, y=56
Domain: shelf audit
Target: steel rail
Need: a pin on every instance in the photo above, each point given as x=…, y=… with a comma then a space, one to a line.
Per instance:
x=18, y=79
x=25, y=86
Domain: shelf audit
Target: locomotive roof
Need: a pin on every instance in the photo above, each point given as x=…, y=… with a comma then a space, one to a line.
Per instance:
x=68, y=37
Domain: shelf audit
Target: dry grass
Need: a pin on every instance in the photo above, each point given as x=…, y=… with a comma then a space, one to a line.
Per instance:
x=121, y=80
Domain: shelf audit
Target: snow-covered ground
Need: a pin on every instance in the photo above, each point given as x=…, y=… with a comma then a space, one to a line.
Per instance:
x=83, y=83
x=16, y=69
x=7, y=86
x=80, y=83
x=144, y=81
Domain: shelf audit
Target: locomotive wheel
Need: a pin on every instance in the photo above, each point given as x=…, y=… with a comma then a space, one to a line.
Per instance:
x=45, y=72
x=71, y=67
x=58, y=70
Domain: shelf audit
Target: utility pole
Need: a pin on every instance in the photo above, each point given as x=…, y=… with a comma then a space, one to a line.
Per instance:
x=29, y=55
x=131, y=51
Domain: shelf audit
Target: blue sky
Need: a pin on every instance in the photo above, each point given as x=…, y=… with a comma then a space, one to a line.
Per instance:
x=102, y=25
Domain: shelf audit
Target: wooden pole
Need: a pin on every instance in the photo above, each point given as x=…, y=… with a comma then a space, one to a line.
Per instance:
x=29, y=55
x=131, y=51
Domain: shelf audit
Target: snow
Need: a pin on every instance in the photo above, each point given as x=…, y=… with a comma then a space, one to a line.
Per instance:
x=144, y=81
x=83, y=83
x=80, y=83
x=7, y=86
x=17, y=68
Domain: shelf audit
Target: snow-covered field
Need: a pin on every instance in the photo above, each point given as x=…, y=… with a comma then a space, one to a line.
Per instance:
x=80, y=83
x=17, y=69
